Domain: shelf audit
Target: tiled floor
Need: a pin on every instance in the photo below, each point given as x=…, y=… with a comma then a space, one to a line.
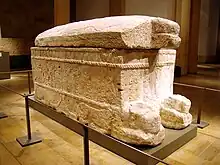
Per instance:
x=62, y=146
x=200, y=80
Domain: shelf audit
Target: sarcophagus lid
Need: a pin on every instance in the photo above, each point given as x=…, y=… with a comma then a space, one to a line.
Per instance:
x=133, y=32
x=112, y=73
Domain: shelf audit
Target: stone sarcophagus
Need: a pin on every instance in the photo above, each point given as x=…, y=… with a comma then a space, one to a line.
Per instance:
x=115, y=74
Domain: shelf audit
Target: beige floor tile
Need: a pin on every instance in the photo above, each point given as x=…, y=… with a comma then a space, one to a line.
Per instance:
x=197, y=145
x=6, y=157
x=62, y=146
x=212, y=151
x=186, y=157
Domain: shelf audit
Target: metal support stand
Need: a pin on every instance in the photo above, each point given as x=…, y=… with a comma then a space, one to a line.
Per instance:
x=86, y=145
x=30, y=138
x=29, y=82
x=136, y=154
x=201, y=124
x=3, y=115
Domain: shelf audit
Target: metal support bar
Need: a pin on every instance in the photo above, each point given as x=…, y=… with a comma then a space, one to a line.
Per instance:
x=22, y=71
x=28, y=117
x=30, y=138
x=141, y=156
x=199, y=113
x=201, y=124
x=3, y=115
x=86, y=145
x=11, y=90
x=29, y=83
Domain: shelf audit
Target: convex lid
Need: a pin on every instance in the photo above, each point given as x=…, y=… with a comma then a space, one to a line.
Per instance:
x=126, y=32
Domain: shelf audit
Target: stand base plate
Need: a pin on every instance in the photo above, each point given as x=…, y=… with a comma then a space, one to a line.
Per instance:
x=3, y=115
x=24, y=141
x=201, y=125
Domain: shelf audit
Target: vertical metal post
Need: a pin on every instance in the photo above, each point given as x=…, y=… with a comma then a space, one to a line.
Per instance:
x=201, y=124
x=29, y=83
x=86, y=146
x=30, y=138
x=200, y=107
x=28, y=117
x=199, y=115
x=3, y=115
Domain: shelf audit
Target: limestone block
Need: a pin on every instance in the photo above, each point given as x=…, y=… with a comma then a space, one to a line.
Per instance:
x=140, y=123
x=137, y=32
x=177, y=102
x=111, y=73
x=175, y=112
x=112, y=90
x=173, y=119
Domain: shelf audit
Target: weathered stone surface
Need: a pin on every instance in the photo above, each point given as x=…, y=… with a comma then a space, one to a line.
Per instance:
x=138, y=32
x=15, y=46
x=177, y=102
x=140, y=123
x=112, y=73
x=111, y=90
x=175, y=112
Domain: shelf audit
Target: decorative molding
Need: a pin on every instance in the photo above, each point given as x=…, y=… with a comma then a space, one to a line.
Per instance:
x=104, y=64
x=79, y=98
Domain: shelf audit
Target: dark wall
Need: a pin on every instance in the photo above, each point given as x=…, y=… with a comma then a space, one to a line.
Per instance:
x=25, y=18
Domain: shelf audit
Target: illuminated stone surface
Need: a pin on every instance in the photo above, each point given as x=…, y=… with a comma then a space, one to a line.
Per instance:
x=138, y=32
x=81, y=70
x=175, y=112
